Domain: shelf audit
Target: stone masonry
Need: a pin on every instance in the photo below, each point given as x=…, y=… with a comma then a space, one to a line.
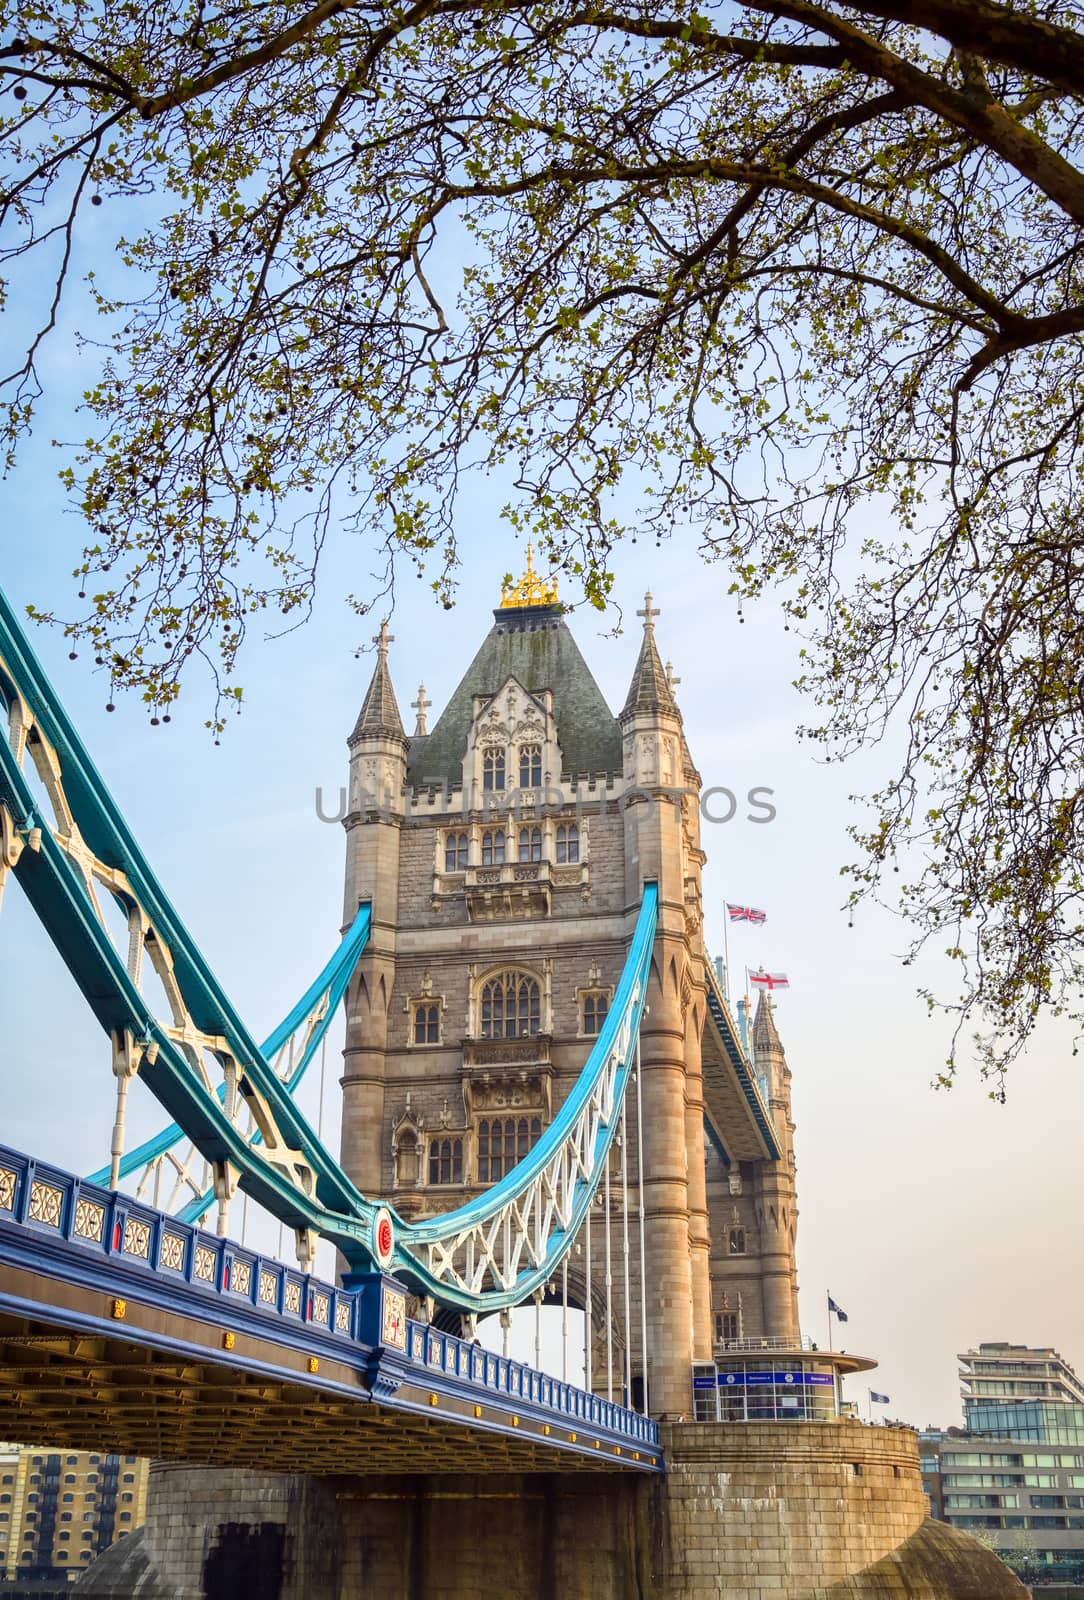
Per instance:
x=828, y=1511
x=509, y=845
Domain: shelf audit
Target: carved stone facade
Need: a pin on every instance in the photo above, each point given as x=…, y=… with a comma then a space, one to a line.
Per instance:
x=504, y=852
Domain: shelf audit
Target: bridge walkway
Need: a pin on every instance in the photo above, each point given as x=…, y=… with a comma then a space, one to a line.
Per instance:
x=123, y=1328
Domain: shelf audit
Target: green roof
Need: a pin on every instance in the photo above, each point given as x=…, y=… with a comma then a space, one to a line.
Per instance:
x=533, y=645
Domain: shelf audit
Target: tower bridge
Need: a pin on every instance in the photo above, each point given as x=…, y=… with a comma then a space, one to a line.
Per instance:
x=545, y=1098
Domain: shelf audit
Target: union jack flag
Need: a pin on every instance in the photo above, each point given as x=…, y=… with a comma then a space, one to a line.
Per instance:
x=745, y=913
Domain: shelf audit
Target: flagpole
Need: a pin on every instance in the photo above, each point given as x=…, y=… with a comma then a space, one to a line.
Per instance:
x=828, y=1294
x=726, y=951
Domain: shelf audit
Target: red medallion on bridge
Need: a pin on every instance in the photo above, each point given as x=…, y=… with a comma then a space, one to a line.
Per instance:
x=383, y=1238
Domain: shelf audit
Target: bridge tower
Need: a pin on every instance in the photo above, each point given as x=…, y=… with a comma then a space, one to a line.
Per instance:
x=505, y=852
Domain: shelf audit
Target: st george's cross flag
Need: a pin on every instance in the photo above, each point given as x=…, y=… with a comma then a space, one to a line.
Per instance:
x=746, y=914
x=770, y=980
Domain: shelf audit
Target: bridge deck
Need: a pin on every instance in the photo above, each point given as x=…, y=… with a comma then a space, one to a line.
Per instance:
x=114, y=1335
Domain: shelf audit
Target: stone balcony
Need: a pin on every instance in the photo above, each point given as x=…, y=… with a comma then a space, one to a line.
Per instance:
x=509, y=1075
x=512, y=888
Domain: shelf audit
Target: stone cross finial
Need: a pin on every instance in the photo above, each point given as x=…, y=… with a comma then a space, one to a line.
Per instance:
x=648, y=613
x=671, y=681
x=421, y=706
x=383, y=638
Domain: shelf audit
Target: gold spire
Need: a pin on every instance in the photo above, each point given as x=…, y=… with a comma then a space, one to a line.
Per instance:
x=531, y=590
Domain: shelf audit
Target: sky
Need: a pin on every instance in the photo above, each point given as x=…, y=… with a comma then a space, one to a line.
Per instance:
x=935, y=1219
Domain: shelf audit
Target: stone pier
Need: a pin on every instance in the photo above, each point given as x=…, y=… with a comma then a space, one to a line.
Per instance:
x=772, y=1511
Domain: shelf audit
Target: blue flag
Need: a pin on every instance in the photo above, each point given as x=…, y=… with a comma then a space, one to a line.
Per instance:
x=840, y=1313
x=879, y=1399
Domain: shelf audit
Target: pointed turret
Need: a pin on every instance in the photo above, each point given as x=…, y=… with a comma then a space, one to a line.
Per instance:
x=378, y=766
x=765, y=1035
x=650, y=690
x=379, y=715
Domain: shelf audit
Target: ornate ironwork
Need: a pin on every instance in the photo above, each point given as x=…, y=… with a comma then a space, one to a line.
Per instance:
x=45, y=1202
x=137, y=1237
x=89, y=1219
x=531, y=590
x=172, y=1253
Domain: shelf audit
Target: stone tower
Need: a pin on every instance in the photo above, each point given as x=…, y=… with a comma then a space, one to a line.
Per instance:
x=505, y=853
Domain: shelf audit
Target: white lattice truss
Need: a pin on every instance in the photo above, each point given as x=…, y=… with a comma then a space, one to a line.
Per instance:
x=208, y=1055
x=176, y=1179
x=521, y=1239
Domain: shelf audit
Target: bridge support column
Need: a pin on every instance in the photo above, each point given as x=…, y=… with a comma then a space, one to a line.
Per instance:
x=699, y=1235
x=774, y=1511
x=667, y=1290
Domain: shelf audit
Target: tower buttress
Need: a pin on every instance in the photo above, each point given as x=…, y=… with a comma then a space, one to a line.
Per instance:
x=378, y=767
x=657, y=846
x=776, y=1187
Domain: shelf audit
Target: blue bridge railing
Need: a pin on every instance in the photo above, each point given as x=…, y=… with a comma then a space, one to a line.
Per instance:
x=180, y=1265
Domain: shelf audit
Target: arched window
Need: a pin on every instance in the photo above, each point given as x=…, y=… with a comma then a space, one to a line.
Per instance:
x=407, y=1174
x=727, y=1326
x=737, y=1241
x=568, y=842
x=493, y=847
x=595, y=1007
x=455, y=852
x=446, y=1161
x=530, y=766
x=426, y=1024
x=511, y=1006
x=530, y=844
x=492, y=767
x=502, y=1141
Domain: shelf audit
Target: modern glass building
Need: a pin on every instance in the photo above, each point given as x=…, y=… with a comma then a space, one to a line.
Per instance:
x=1010, y=1391
x=1012, y=1475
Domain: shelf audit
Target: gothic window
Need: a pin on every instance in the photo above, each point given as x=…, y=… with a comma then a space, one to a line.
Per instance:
x=568, y=843
x=445, y=1161
x=493, y=847
x=530, y=766
x=530, y=844
x=492, y=767
x=737, y=1241
x=407, y=1174
x=455, y=852
x=511, y=1006
x=502, y=1141
x=595, y=1007
x=426, y=1023
x=727, y=1326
